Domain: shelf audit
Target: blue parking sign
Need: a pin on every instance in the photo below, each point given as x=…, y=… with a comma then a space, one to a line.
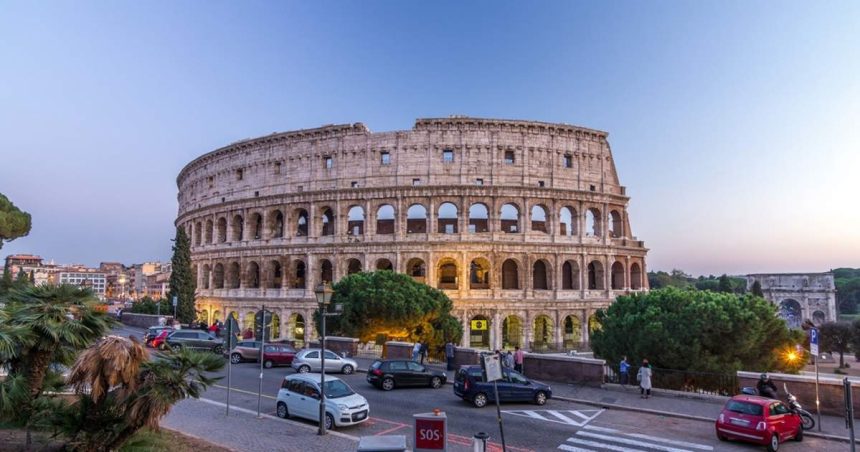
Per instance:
x=813, y=341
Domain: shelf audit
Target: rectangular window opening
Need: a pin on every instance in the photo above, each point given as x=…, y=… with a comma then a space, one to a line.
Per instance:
x=385, y=158
x=240, y=174
x=416, y=182
x=277, y=167
x=479, y=181
x=509, y=157
x=448, y=156
x=329, y=162
x=567, y=160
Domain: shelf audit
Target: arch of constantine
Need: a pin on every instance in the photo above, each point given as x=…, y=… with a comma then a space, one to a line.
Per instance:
x=523, y=224
x=799, y=296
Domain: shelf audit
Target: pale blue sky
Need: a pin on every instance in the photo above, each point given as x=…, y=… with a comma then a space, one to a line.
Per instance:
x=734, y=125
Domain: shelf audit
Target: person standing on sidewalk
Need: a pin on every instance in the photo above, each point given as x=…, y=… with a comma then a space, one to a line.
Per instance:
x=423, y=351
x=624, y=370
x=644, y=378
x=449, y=355
x=509, y=360
x=518, y=359
x=416, y=351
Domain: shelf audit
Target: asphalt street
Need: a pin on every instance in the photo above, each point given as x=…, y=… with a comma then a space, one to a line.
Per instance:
x=558, y=425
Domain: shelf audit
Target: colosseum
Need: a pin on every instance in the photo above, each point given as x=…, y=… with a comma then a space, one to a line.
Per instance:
x=522, y=224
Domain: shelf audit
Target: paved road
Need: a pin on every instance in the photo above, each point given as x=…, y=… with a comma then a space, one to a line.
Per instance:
x=558, y=425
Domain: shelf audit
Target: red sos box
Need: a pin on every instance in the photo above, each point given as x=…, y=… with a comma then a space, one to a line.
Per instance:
x=430, y=433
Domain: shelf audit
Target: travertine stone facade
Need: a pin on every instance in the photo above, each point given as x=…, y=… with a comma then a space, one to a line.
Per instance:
x=799, y=296
x=521, y=223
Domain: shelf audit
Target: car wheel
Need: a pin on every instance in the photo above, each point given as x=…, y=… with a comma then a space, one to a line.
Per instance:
x=283, y=412
x=480, y=400
x=218, y=349
x=387, y=384
x=347, y=369
x=235, y=358
x=267, y=364
x=721, y=437
x=304, y=369
x=435, y=382
x=329, y=421
x=540, y=398
x=773, y=444
x=799, y=436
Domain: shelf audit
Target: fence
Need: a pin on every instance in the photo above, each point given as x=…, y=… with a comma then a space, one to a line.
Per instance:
x=555, y=347
x=680, y=380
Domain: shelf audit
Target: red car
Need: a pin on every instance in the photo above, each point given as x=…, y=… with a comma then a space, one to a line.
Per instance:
x=758, y=420
x=158, y=341
x=277, y=355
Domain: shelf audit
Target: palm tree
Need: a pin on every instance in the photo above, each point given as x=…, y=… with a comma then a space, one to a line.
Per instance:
x=112, y=362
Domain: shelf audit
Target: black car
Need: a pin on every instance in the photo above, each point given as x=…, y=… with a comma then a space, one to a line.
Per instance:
x=397, y=373
x=469, y=385
x=195, y=339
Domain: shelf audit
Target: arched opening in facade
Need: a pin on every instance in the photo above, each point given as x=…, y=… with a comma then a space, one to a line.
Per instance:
x=353, y=266
x=298, y=275
x=216, y=315
x=479, y=274
x=594, y=324
x=277, y=279
x=248, y=323
x=198, y=233
x=222, y=230
x=572, y=331
x=355, y=221
x=238, y=228
x=510, y=219
x=616, y=226
x=617, y=276
x=235, y=316
x=327, y=219
x=384, y=264
x=253, y=275
x=543, y=333
x=206, y=275
x=447, y=218
x=592, y=222
x=302, y=223
x=512, y=332
x=274, y=325
x=218, y=276
x=326, y=271
x=296, y=330
x=416, y=269
x=478, y=218
x=203, y=316
x=567, y=222
x=570, y=275
x=539, y=219
x=479, y=332
x=257, y=226
x=385, y=219
x=416, y=219
x=635, y=276
x=790, y=311
x=510, y=275
x=276, y=224
x=233, y=279
x=209, y=231
x=818, y=317
x=595, y=275
x=448, y=274
x=540, y=276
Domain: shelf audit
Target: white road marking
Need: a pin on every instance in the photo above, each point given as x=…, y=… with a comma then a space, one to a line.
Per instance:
x=574, y=449
x=652, y=438
x=631, y=442
x=600, y=445
x=576, y=418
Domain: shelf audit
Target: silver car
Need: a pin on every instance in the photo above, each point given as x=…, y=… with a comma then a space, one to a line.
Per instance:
x=308, y=360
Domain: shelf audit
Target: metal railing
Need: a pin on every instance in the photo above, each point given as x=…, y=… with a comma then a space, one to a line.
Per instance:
x=724, y=384
x=555, y=347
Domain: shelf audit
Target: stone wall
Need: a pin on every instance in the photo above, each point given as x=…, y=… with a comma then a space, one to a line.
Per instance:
x=831, y=391
x=343, y=346
x=564, y=368
x=144, y=320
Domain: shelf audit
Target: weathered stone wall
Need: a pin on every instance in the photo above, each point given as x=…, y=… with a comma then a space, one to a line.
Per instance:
x=830, y=389
x=564, y=369
x=144, y=320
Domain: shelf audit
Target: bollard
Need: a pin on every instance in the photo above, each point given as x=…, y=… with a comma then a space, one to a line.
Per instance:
x=479, y=442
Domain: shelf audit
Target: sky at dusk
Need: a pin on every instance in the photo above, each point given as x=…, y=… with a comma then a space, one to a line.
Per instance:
x=735, y=125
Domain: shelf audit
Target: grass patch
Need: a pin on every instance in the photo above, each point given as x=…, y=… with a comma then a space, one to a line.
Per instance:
x=162, y=440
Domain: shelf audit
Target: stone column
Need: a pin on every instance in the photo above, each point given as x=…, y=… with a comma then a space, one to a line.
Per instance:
x=559, y=330
x=464, y=316
x=496, y=331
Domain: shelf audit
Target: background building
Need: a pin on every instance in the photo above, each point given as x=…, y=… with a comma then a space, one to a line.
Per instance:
x=84, y=277
x=799, y=296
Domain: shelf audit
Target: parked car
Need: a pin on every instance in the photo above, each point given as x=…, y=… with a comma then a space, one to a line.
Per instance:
x=398, y=373
x=300, y=396
x=469, y=385
x=308, y=360
x=153, y=332
x=245, y=351
x=195, y=339
x=758, y=420
x=278, y=355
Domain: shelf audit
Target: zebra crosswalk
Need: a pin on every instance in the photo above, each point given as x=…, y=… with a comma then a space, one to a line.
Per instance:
x=592, y=438
x=576, y=418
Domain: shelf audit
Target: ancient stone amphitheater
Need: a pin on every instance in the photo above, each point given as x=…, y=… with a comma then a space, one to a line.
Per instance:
x=523, y=224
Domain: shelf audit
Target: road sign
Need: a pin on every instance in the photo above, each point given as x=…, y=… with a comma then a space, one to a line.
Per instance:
x=431, y=432
x=479, y=325
x=175, y=300
x=492, y=367
x=813, y=341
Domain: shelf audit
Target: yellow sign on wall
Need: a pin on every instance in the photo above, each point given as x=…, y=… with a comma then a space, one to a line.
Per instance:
x=479, y=325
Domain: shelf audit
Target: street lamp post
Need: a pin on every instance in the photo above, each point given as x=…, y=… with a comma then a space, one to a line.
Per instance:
x=323, y=293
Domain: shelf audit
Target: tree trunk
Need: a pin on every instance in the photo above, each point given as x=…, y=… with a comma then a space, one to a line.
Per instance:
x=37, y=370
x=841, y=359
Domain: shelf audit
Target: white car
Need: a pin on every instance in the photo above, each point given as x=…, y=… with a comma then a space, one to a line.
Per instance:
x=299, y=396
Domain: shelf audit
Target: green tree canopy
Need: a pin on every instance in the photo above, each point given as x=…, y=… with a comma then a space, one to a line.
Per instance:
x=14, y=222
x=847, y=289
x=695, y=330
x=756, y=289
x=182, y=281
x=385, y=302
x=836, y=337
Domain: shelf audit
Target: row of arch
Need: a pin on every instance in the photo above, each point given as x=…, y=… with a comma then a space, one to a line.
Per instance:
x=293, y=329
x=542, y=334
x=508, y=220
x=481, y=274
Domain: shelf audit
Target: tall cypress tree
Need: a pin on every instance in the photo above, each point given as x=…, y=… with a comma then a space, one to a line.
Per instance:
x=756, y=289
x=182, y=283
x=6, y=282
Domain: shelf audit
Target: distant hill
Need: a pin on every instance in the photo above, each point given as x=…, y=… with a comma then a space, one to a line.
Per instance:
x=847, y=290
x=677, y=278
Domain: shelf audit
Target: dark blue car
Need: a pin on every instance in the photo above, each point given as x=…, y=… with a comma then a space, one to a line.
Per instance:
x=469, y=384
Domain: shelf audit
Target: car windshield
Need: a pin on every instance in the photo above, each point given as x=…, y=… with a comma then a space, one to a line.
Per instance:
x=744, y=407
x=336, y=388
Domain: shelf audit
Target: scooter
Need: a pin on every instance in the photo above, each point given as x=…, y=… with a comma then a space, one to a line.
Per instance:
x=806, y=419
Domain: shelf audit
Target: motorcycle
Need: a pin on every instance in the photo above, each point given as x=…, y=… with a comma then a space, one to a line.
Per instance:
x=807, y=421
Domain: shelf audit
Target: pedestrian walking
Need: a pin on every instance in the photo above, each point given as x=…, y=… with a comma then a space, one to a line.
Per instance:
x=509, y=360
x=644, y=379
x=416, y=351
x=624, y=370
x=519, y=356
x=449, y=355
x=423, y=351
